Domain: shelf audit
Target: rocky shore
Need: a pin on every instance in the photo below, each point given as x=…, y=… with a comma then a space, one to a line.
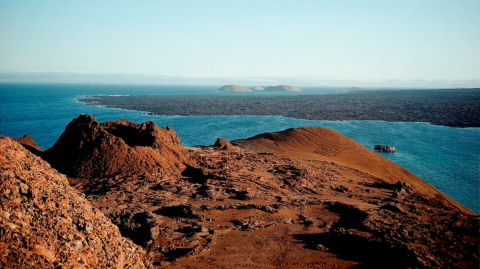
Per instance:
x=454, y=108
x=134, y=197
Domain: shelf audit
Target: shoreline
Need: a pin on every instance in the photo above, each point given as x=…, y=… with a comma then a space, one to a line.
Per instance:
x=458, y=109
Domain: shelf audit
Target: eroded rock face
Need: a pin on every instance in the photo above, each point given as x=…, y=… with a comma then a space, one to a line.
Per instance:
x=45, y=223
x=89, y=149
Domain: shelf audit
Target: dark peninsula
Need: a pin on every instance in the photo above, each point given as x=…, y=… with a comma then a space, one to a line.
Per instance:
x=452, y=107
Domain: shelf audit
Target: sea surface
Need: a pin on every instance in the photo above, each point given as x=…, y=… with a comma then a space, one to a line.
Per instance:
x=447, y=158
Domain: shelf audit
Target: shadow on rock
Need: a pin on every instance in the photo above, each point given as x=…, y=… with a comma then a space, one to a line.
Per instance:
x=136, y=227
x=177, y=253
x=352, y=247
x=350, y=216
x=194, y=175
x=180, y=211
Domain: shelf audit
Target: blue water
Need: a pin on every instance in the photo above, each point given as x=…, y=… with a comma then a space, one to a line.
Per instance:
x=447, y=158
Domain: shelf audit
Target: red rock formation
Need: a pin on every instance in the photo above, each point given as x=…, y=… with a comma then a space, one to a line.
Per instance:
x=45, y=223
x=89, y=149
x=224, y=144
x=27, y=142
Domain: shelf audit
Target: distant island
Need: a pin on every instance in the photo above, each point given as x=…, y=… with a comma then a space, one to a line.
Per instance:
x=234, y=88
x=279, y=88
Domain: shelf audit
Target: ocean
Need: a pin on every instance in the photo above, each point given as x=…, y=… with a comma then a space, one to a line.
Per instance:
x=447, y=158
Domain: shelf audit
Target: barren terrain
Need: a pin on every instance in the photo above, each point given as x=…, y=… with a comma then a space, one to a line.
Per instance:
x=302, y=198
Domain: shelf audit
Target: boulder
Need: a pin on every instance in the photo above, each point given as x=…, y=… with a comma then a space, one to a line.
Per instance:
x=385, y=148
x=224, y=144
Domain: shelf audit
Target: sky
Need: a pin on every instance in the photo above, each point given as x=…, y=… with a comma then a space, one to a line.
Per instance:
x=317, y=41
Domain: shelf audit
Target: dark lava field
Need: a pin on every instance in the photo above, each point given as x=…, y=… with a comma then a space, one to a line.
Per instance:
x=452, y=107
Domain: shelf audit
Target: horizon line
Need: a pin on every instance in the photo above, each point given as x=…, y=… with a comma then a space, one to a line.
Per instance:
x=156, y=79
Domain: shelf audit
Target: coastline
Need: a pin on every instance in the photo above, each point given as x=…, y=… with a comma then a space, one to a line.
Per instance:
x=447, y=107
x=444, y=156
x=312, y=189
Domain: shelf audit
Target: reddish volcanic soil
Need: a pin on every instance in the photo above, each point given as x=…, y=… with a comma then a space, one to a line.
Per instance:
x=323, y=144
x=306, y=197
x=28, y=143
x=114, y=150
x=45, y=223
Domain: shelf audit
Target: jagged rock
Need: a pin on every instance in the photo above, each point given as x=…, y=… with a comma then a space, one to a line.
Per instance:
x=45, y=223
x=89, y=149
x=27, y=142
x=224, y=144
x=385, y=148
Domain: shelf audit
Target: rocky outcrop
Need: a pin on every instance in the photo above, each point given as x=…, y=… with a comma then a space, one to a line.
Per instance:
x=385, y=148
x=45, y=223
x=89, y=149
x=224, y=144
x=27, y=142
x=282, y=88
x=234, y=88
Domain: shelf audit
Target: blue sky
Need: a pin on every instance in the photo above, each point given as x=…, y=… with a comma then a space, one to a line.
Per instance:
x=314, y=40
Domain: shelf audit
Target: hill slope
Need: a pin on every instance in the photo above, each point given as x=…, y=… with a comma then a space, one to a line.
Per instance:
x=44, y=223
x=323, y=144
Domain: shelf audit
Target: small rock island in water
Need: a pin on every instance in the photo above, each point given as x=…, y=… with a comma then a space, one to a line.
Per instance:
x=234, y=88
x=279, y=88
x=385, y=148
